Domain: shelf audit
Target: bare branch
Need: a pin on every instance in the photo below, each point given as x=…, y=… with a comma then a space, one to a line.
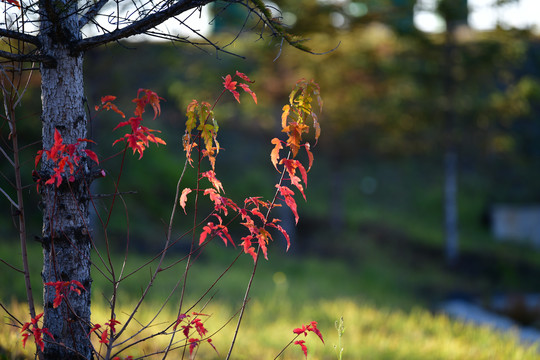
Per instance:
x=32, y=57
x=7, y=156
x=9, y=199
x=16, y=35
x=140, y=26
x=92, y=12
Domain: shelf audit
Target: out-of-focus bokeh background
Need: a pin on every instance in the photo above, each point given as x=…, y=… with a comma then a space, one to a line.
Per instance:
x=423, y=202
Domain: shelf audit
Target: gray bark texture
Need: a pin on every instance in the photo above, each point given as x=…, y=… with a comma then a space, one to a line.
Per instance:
x=66, y=238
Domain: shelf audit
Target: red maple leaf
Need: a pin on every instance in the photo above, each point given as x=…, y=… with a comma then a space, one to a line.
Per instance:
x=248, y=249
x=302, y=344
x=104, y=335
x=282, y=230
x=231, y=86
x=212, y=230
x=65, y=157
x=313, y=327
x=211, y=176
x=193, y=343
x=32, y=328
x=140, y=136
x=289, y=200
x=61, y=288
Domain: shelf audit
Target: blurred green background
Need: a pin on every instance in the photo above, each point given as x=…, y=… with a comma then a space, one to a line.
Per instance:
x=372, y=237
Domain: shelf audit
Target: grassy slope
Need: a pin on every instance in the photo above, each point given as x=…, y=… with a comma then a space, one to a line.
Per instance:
x=376, y=296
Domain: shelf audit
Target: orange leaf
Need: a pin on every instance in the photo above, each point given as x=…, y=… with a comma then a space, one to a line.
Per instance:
x=284, y=116
x=309, y=154
x=295, y=180
x=274, y=155
x=211, y=176
x=183, y=198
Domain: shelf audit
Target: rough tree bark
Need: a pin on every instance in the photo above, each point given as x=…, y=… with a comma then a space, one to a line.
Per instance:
x=66, y=239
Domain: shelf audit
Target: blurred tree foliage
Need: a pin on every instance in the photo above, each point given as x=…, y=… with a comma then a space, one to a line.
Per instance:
x=382, y=87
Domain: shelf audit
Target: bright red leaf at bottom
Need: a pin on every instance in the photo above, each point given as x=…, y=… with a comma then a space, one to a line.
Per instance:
x=311, y=327
x=302, y=345
x=32, y=328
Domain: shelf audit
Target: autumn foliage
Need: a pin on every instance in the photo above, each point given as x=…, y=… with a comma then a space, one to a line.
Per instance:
x=65, y=157
x=201, y=147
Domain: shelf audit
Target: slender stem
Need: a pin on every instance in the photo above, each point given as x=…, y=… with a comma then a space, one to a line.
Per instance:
x=21, y=212
x=248, y=289
x=10, y=199
x=244, y=302
x=286, y=346
x=189, y=257
x=116, y=189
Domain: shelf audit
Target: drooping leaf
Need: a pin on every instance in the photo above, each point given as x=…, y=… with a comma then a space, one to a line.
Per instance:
x=92, y=155
x=285, y=115
x=243, y=76
x=284, y=233
x=289, y=200
x=248, y=249
x=211, y=176
x=313, y=327
x=230, y=85
x=106, y=103
x=309, y=154
x=274, y=155
x=183, y=198
x=246, y=88
x=302, y=345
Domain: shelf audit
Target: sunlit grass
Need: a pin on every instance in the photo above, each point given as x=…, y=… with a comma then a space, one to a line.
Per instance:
x=370, y=333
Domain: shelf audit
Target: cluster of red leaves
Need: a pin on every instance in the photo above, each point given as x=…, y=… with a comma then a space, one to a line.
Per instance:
x=62, y=287
x=140, y=137
x=32, y=328
x=251, y=214
x=230, y=85
x=110, y=329
x=311, y=327
x=201, y=117
x=65, y=157
x=196, y=324
x=293, y=123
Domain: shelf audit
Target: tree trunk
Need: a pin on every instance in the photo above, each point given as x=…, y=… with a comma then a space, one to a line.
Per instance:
x=450, y=206
x=66, y=238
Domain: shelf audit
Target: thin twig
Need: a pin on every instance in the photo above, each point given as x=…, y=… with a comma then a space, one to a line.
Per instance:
x=10, y=199
x=248, y=289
